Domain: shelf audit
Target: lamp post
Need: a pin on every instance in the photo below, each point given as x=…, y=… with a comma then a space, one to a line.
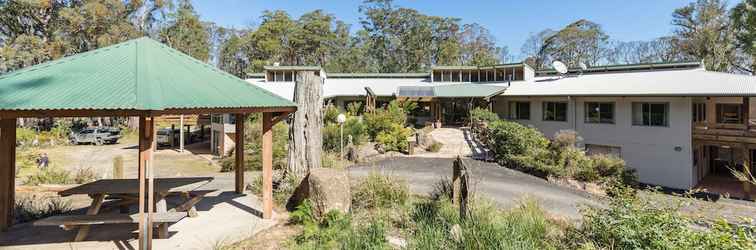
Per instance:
x=341, y=118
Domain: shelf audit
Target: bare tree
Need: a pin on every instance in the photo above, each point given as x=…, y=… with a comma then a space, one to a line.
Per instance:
x=305, y=138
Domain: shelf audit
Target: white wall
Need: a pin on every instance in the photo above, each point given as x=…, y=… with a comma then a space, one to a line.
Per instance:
x=649, y=150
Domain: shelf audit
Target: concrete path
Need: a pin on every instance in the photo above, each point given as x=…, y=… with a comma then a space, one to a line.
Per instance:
x=505, y=186
x=456, y=141
x=224, y=217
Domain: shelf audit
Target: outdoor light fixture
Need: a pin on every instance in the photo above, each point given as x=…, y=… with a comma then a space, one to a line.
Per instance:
x=341, y=118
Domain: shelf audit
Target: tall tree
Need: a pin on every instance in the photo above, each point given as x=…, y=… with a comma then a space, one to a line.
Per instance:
x=479, y=46
x=744, y=25
x=703, y=30
x=534, y=55
x=663, y=49
x=186, y=33
x=404, y=40
x=582, y=41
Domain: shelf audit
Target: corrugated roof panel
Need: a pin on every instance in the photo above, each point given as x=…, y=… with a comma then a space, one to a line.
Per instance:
x=415, y=91
x=140, y=74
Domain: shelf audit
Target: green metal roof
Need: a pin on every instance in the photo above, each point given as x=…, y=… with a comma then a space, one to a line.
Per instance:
x=140, y=74
x=449, y=91
x=466, y=90
x=378, y=75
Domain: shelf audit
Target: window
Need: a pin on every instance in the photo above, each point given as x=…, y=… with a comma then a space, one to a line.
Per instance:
x=729, y=113
x=699, y=112
x=650, y=114
x=555, y=111
x=519, y=110
x=593, y=149
x=599, y=112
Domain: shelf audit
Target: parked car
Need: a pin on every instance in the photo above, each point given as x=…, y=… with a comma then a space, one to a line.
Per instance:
x=97, y=136
x=164, y=136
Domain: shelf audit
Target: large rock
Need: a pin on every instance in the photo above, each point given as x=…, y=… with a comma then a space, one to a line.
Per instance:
x=328, y=189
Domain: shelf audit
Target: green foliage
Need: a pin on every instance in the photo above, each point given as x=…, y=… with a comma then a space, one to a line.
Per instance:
x=49, y=175
x=30, y=208
x=253, y=146
x=84, y=175
x=526, y=149
x=634, y=223
x=395, y=138
x=353, y=127
x=703, y=33
x=380, y=191
x=525, y=227
x=336, y=231
x=25, y=136
x=435, y=147
x=282, y=191
x=483, y=115
x=383, y=119
x=186, y=33
x=744, y=25
x=515, y=145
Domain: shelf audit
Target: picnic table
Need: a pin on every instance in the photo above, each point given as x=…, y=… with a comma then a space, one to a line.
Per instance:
x=125, y=192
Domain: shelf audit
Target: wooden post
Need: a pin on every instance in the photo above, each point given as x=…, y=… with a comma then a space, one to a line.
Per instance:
x=711, y=113
x=181, y=133
x=239, y=164
x=746, y=112
x=267, y=163
x=7, y=172
x=146, y=190
x=456, y=182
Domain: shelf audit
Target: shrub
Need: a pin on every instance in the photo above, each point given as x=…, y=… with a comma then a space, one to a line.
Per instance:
x=483, y=115
x=30, y=208
x=384, y=119
x=380, y=191
x=566, y=138
x=525, y=227
x=354, y=108
x=330, y=113
x=630, y=222
x=49, y=175
x=283, y=188
x=394, y=138
x=25, y=137
x=435, y=147
x=253, y=146
x=353, y=128
x=442, y=189
x=336, y=231
x=515, y=145
x=84, y=175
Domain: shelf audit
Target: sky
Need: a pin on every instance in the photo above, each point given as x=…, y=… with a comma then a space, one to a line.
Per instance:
x=510, y=22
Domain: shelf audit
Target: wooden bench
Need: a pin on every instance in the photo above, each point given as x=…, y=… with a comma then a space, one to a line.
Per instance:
x=69, y=221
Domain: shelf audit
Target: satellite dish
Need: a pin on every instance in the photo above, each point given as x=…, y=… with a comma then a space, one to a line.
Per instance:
x=559, y=67
x=583, y=66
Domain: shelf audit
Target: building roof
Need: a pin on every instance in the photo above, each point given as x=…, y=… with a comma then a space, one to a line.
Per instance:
x=627, y=68
x=140, y=74
x=378, y=75
x=293, y=67
x=691, y=82
x=467, y=90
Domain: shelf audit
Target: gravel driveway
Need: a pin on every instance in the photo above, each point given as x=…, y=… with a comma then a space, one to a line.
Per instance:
x=505, y=186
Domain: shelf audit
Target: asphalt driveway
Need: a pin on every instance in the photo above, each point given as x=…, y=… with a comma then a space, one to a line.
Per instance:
x=504, y=186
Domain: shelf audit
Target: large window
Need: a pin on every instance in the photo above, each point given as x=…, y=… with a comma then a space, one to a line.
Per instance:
x=519, y=110
x=729, y=113
x=699, y=112
x=650, y=114
x=555, y=111
x=599, y=112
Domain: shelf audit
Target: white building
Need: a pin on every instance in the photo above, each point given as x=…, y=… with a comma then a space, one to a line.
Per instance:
x=675, y=123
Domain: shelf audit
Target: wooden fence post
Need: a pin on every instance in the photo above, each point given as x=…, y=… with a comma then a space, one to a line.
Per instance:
x=456, y=183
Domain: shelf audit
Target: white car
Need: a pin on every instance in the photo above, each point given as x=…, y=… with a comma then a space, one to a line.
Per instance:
x=164, y=136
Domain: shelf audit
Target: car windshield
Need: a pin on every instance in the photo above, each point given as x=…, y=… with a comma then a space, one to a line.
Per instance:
x=87, y=131
x=163, y=132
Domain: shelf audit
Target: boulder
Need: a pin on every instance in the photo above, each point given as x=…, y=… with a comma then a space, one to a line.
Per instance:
x=328, y=189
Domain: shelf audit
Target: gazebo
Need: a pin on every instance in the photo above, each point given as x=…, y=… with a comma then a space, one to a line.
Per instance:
x=137, y=78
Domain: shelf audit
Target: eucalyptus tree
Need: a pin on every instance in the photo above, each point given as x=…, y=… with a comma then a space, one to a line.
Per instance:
x=744, y=25
x=703, y=31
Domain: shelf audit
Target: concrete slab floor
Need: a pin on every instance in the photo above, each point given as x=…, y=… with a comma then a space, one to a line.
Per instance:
x=224, y=217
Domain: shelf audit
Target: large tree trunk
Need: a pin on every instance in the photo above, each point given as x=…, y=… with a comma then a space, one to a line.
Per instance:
x=305, y=138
